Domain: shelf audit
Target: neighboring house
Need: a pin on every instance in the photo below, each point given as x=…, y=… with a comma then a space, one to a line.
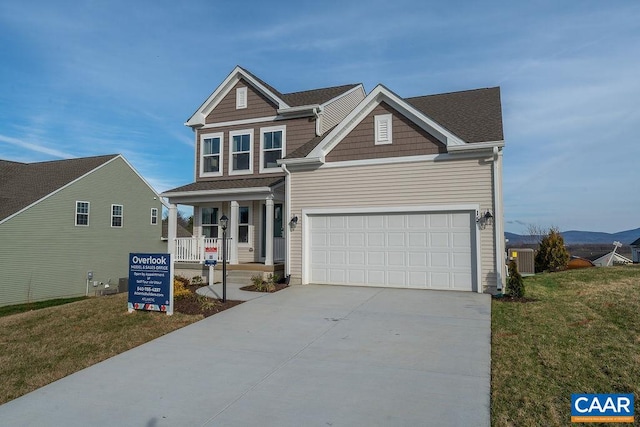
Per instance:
x=635, y=251
x=610, y=259
x=347, y=188
x=61, y=219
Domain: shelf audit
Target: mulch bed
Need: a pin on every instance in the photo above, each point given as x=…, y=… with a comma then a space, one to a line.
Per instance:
x=253, y=288
x=198, y=304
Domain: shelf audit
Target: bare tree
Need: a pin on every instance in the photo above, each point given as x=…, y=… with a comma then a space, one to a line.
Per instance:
x=535, y=233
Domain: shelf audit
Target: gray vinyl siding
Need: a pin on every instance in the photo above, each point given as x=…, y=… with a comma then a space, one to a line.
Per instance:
x=257, y=106
x=452, y=182
x=339, y=108
x=44, y=255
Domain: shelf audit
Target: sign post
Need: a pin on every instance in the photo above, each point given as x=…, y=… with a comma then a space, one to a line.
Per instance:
x=150, y=282
x=211, y=259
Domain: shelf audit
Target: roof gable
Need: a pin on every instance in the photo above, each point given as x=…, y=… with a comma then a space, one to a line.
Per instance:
x=459, y=120
x=280, y=100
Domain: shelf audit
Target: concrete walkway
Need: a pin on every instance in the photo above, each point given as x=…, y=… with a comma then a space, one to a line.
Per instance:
x=305, y=356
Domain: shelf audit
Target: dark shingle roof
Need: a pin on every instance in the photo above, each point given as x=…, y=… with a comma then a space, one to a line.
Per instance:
x=473, y=115
x=307, y=97
x=228, y=184
x=22, y=184
x=315, y=96
x=636, y=242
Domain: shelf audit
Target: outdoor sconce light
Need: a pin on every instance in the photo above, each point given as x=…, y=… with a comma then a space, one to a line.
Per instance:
x=484, y=220
x=293, y=223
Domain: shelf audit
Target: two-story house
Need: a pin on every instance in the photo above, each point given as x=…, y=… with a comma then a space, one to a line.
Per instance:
x=339, y=187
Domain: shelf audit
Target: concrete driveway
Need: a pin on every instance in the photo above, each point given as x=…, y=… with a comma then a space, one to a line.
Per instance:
x=305, y=356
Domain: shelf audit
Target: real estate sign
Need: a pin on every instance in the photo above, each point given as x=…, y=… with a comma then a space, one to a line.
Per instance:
x=150, y=286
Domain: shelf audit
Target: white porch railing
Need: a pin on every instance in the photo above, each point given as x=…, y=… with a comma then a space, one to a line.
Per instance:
x=278, y=248
x=191, y=249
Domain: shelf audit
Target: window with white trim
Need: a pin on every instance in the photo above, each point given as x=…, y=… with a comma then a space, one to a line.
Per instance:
x=154, y=216
x=241, y=98
x=209, y=221
x=211, y=154
x=243, y=224
x=116, y=215
x=272, y=147
x=241, y=152
x=383, y=129
x=82, y=213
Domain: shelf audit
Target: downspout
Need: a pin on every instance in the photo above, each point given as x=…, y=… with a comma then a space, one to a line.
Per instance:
x=497, y=216
x=287, y=196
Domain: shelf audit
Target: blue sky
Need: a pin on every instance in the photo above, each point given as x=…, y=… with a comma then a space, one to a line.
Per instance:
x=83, y=78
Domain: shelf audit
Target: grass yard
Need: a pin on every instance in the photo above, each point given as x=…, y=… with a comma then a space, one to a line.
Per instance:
x=582, y=335
x=42, y=346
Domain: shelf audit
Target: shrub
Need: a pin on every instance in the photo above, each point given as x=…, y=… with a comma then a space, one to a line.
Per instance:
x=515, y=284
x=552, y=255
x=180, y=287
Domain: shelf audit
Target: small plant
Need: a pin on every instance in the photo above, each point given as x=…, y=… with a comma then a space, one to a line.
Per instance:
x=180, y=287
x=272, y=280
x=196, y=281
x=515, y=284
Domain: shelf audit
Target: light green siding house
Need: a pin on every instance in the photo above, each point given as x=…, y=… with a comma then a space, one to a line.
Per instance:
x=60, y=220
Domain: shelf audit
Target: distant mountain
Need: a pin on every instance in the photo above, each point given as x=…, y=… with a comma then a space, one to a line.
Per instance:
x=573, y=237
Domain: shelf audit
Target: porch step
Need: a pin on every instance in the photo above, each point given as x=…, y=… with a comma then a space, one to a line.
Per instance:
x=241, y=276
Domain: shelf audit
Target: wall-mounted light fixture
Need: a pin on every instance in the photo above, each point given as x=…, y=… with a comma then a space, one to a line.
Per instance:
x=484, y=219
x=293, y=223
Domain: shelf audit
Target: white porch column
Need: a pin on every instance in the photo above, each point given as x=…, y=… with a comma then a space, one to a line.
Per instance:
x=268, y=244
x=172, y=231
x=234, y=220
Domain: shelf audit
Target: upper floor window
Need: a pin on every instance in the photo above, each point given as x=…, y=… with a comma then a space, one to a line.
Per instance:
x=383, y=129
x=211, y=154
x=209, y=222
x=154, y=216
x=82, y=213
x=241, y=152
x=272, y=147
x=241, y=98
x=116, y=215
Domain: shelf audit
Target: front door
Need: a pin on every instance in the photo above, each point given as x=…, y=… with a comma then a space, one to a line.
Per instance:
x=278, y=230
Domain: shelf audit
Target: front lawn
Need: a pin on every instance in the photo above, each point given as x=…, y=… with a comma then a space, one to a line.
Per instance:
x=581, y=335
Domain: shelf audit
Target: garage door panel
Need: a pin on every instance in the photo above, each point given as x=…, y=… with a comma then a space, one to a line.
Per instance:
x=418, y=259
x=375, y=222
x=396, y=240
x=376, y=239
x=439, y=240
x=357, y=258
x=438, y=221
x=439, y=260
x=417, y=239
x=396, y=259
x=356, y=239
x=415, y=250
x=375, y=258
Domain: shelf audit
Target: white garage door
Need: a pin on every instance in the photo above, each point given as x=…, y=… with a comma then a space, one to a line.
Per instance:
x=413, y=250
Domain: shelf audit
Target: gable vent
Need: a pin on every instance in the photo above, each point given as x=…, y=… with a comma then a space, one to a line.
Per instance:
x=383, y=129
x=241, y=98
